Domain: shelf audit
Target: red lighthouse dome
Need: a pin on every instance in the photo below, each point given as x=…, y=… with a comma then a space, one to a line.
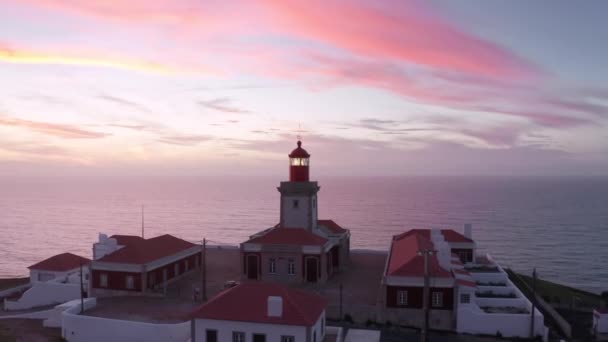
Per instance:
x=298, y=164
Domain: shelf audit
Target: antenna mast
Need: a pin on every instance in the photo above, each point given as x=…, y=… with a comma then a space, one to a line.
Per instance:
x=142, y=221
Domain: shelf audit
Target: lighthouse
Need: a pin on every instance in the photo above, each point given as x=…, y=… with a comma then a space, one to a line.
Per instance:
x=300, y=248
x=299, y=194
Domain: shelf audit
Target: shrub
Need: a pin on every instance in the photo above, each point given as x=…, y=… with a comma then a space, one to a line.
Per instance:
x=388, y=324
x=498, y=334
x=348, y=318
x=369, y=322
x=605, y=295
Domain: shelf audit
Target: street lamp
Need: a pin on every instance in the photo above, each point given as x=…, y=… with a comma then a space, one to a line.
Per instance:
x=426, y=253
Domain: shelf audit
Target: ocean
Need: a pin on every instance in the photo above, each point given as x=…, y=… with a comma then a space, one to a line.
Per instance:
x=557, y=225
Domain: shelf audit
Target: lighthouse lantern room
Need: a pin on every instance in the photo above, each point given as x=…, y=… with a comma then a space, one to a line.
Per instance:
x=299, y=161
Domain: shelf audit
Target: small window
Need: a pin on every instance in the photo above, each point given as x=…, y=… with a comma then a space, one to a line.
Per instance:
x=288, y=339
x=238, y=336
x=210, y=335
x=130, y=282
x=296, y=204
x=291, y=266
x=465, y=298
x=314, y=336
x=314, y=203
x=402, y=298
x=272, y=265
x=259, y=338
x=437, y=299
x=186, y=265
x=103, y=280
x=176, y=270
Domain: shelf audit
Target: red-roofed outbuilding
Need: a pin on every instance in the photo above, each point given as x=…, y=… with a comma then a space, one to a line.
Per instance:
x=56, y=266
x=130, y=264
x=255, y=309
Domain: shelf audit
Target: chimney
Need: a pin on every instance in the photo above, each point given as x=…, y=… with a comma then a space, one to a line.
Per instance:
x=275, y=306
x=468, y=230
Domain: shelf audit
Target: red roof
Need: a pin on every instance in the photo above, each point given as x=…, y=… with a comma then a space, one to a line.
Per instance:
x=144, y=251
x=404, y=259
x=289, y=236
x=449, y=235
x=299, y=152
x=331, y=225
x=125, y=240
x=248, y=302
x=60, y=263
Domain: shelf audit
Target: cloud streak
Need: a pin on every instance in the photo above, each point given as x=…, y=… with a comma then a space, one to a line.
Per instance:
x=184, y=140
x=58, y=130
x=20, y=55
x=222, y=104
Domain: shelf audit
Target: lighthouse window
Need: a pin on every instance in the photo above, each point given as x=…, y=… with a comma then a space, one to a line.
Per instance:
x=299, y=161
x=296, y=204
x=314, y=203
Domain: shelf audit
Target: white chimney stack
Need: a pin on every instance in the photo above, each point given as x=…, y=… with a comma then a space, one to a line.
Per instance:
x=468, y=231
x=275, y=306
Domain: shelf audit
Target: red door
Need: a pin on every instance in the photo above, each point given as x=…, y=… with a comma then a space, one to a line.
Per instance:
x=312, y=266
x=252, y=267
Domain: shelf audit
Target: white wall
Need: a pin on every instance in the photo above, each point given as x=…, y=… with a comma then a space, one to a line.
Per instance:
x=337, y=331
x=225, y=328
x=503, y=302
x=297, y=217
x=600, y=322
x=317, y=328
x=44, y=293
x=77, y=328
x=474, y=321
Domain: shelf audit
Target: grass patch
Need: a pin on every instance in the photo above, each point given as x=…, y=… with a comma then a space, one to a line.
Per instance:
x=561, y=294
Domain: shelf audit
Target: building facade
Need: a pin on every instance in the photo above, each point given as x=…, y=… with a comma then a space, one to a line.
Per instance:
x=404, y=277
x=58, y=266
x=300, y=248
x=273, y=313
x=131, y=265
x=467, y=292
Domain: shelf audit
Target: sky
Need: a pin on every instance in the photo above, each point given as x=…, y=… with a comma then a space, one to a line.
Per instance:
x=396, y=87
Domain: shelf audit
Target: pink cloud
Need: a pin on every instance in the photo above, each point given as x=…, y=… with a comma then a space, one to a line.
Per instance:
x=405, y=31
x=58, y=130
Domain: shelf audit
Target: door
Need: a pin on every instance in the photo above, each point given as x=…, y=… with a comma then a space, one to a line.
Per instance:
x=259, y=338
x=211, y=336
x=252, y=267
x=311, y=269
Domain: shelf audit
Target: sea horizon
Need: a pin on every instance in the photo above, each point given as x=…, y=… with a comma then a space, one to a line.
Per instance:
x=524, y=222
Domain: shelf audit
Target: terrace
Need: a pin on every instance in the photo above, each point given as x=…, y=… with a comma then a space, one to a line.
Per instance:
x=498, y=305
x=504, y=309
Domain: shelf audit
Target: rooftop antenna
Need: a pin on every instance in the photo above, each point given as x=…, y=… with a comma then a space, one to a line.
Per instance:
x=142, y=221
x=299, y=136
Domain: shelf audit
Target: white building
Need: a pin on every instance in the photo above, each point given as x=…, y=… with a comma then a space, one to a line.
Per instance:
x=58, y=266
x=468, y=292
x=600, y=321
x=261, y=312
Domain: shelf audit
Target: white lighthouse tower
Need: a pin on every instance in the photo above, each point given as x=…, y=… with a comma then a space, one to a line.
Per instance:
x=299, y=194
